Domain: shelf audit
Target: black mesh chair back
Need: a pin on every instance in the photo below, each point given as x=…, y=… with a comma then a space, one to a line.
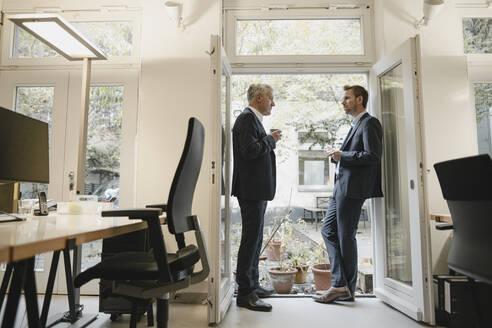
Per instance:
x=185, y=180
x=466, y=184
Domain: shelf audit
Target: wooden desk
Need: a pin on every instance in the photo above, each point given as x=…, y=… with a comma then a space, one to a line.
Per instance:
x=41, y=234
x=21, y=241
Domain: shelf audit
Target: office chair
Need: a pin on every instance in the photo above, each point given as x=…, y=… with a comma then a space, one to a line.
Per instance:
x=142, y=277
x=466, y=184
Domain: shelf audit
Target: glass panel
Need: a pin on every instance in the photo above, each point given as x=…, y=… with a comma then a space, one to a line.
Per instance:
x=314, y=172
x=35, y=102
x=310, y=116
x=398, y=254
x=299, y=37
x=477, y=35
x=224, y=197
x=113, y=38
x=102, y=171
x=483, y=109
x=27, y=46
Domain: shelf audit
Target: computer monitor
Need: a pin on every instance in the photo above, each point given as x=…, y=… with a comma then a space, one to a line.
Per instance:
x=24, y=148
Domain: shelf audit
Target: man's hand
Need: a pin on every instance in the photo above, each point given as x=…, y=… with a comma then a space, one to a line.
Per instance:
x=336, y=155
x=276, y=134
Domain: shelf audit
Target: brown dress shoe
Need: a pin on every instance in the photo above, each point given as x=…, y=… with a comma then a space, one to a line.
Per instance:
x=332, y=295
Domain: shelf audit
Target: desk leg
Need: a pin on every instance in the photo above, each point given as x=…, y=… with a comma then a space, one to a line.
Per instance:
x=74, y=316
x=31, y=295
x=5, y=283
x=23, y=278
x=14, y=294
x=49, y=288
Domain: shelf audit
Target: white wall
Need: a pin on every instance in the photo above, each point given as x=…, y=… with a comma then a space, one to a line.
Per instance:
x=175, y=85
x=448, y=117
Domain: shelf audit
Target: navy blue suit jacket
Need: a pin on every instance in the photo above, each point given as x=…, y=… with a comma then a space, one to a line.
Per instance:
x=254, y=176
x=359, y=174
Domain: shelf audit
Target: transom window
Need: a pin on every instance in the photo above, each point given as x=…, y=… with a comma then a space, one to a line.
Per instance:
x=114, y=38
x=299, y=37
x=477, y=35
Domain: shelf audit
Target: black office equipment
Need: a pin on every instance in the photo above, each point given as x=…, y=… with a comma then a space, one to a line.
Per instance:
x=24, y=148
x=466, y=186
x=43, y=204
x=143, y=276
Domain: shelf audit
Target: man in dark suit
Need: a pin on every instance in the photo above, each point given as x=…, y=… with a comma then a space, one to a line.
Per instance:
x=253, y=183
x=357, y=178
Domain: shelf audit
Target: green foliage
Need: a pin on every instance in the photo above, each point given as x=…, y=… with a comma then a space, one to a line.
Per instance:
x=113, y=38
x=104, y=128
x=477, y=35
x=483, y=101
x=299, y=37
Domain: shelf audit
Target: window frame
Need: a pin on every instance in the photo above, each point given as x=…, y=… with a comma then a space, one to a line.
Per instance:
x=7, y=42
x=364, y=14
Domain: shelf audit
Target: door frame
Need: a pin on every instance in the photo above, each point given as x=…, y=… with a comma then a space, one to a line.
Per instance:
x=415, y=301
x=221, y=291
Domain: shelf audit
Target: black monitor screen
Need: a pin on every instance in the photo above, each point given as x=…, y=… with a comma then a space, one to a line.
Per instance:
x=24, y=150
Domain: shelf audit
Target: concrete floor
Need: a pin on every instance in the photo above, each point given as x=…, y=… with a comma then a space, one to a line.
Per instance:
x=287, y=312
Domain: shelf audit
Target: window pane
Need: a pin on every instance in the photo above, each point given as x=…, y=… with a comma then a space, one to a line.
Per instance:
x=477, y=35
x=35, y=102
x=483, y=110
x=299, y=37
x=27, y=46
x=113, y=38
x=314, y=172
x=102, y=171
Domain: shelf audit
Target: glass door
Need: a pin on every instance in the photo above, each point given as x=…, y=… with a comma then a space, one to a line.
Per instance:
x=112, y=128
x=221, y=288
x=41, y=95
x=402, y=252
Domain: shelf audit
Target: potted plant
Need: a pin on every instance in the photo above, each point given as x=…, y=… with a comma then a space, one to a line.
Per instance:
x=282, y=276
x=321, y=270
x=300, y=258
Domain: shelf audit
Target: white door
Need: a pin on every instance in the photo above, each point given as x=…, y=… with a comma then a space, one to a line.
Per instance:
x=221, y=288
x=112, y=128
x=41, y=95
x=402, y=252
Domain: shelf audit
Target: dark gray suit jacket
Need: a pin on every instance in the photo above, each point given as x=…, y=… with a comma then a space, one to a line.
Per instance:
x=254, y=176
x=359, y=174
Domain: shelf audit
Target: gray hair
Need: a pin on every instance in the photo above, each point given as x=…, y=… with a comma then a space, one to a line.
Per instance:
x=257, y=89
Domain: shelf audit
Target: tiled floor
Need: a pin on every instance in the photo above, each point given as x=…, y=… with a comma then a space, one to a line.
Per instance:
x=287, y=312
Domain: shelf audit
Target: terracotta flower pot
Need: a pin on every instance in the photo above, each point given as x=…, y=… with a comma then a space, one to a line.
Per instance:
x=322, y=276
x=282, y=280
x=274, y=251
x=301, y=274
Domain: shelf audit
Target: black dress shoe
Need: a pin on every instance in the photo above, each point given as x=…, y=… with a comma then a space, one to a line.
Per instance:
x=263, y=292
x=252, y=302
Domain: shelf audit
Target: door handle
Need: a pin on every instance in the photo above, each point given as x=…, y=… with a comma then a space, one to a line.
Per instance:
x=412, y=184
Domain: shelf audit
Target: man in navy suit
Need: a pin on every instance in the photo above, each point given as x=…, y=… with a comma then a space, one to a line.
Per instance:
x=357, y=178
x=253, y=183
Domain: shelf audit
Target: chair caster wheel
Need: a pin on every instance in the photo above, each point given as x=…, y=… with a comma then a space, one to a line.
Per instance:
x=114, y=317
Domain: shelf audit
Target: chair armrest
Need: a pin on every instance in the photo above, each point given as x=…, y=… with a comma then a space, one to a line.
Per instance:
x=163, y=207
x=445, y=226
x=134, y=213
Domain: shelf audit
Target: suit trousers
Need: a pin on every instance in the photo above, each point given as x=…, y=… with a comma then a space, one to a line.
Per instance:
x=252, y=216
x=338, y=231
